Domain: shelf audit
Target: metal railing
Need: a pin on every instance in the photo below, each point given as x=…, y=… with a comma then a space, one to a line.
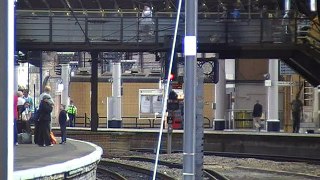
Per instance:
x=128, y=122
x=99, y=30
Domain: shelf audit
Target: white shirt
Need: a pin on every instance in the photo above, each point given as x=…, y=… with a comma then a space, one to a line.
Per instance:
x=21, y=101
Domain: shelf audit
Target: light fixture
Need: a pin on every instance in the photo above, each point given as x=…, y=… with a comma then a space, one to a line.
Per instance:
x=313, y=5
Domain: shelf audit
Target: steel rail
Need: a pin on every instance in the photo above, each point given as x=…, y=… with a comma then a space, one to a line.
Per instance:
x=211, y=174
x=136, y=169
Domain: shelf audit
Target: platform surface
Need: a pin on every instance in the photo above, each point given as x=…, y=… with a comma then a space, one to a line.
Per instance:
x=31, y=160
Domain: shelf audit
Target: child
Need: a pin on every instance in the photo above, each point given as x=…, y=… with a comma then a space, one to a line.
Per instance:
x=63, y=124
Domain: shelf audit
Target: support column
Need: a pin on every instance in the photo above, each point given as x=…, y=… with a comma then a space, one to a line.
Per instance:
x=6, y=94
x=16, y=70
x=190, y=50
x=220, y=98
x=94, y=91
x=316, y=102
x=116, y=121
x=65, y=75
x=273, y=122
x=287, y=124
x=199, y=126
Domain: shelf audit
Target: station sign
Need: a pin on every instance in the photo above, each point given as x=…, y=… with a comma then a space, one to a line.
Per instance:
x=286, y=83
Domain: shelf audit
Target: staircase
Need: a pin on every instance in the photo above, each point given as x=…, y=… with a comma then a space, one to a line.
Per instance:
x=307, y=94
x=305, y=60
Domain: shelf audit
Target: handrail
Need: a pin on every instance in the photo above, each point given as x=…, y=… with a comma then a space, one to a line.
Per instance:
x=137, y=124
x=110, y=30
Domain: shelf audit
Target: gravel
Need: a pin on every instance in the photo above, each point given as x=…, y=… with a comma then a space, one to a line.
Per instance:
x=231, y=167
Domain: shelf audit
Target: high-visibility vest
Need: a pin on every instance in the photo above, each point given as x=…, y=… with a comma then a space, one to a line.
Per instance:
x=72, y=109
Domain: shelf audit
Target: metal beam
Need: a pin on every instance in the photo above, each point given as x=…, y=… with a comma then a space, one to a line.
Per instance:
x=225, y=51
x=68, y=4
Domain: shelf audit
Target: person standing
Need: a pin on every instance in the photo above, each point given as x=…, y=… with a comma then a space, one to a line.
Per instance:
x=25, y=117
x=45, y=110
x=72, y=112
x=28, y=99
x=296, y=107
x=63, y=124
x=257, y=113
x=46, y=91
x=20, y=109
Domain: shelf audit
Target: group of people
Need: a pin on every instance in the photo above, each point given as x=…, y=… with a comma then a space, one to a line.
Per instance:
x=23, y=109
x=25, y=112
x=296, y=108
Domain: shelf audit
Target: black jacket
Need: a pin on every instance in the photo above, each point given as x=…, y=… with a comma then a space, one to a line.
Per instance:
x=62, y=117
x=44, y=111
x=257, y=110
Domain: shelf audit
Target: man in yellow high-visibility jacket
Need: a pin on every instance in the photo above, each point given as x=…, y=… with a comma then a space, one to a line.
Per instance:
x=72, y=112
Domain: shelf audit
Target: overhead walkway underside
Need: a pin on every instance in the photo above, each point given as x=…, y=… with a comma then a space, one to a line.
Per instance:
x=233, y=39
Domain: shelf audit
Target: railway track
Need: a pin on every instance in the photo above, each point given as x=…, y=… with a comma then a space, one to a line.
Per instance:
x=209, y=174
x=218, y=171
x=247, y=155
x=265, y=157
x=110, y=170
x=242, y=172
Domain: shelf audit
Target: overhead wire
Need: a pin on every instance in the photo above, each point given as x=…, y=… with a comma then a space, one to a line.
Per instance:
x=166, y=92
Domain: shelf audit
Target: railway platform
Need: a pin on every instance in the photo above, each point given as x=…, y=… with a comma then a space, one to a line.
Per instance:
x=75, y=159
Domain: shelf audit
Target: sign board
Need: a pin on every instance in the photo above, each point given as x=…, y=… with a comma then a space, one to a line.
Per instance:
x=285, y=69
x=150, y=103
x=267, y=83
x=286, y=83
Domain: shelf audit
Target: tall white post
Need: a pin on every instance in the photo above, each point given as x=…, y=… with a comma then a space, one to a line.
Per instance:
x=65, y=75
x=220, y=98
x=16, y=70
x=116, y=120
x=273, y=122
x=287, y=6
x=190, y=50
x=6, y=93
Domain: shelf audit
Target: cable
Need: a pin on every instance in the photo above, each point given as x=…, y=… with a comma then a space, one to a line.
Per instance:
x=164, y=109
x=77, y=21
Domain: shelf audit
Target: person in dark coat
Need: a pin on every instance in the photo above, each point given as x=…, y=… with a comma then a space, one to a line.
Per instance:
x=63, y=124
x=296, y=107
x=44, y=111
x=256, y=114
